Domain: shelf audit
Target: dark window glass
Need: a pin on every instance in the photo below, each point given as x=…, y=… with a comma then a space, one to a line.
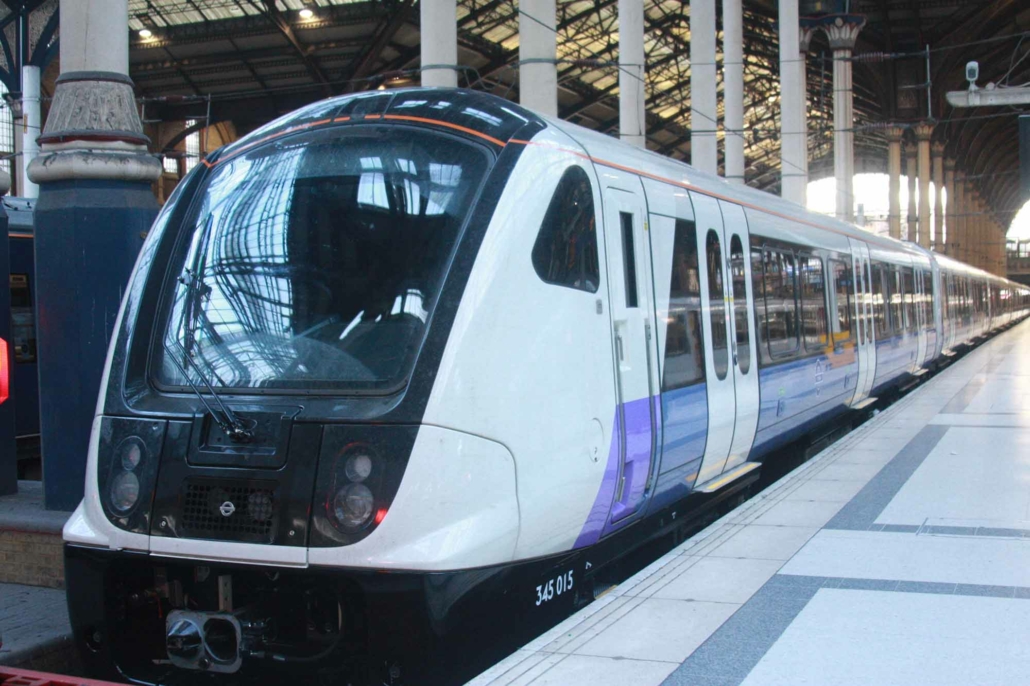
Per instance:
x=879, y=303
x=717, y=302
x=926, y=299
x=758, y=291
x=684, y=345
x=909, y=286
x=843, y=288
x=23, y=319
x=316, y=261
x=894, y=298
x=738, y=271
x=629, y=258
x=813, y=302
x=565, y=252
x=781, y=317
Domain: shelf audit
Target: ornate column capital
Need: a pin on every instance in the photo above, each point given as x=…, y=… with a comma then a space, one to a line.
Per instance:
x=93, y=131
x=842, y=30
x=949, y=164
x=805, y=32
x=937, y=149
x=895, y=134
x=923, y=131
x=910, y=149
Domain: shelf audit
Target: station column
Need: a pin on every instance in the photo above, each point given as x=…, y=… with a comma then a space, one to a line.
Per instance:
x=438, y=33
x=949, y=213
x=538, y=73
x=806, y=30
x=733, y=89
x=910, y=172
x=792, y=135
x=704, y=148
x=95, y=205
x=894, y=135
x=923, y=132
x=843, y=31
x=632, y=118
x=937, y=157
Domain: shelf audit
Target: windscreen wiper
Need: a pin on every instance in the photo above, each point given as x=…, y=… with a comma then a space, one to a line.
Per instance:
x=227, y=420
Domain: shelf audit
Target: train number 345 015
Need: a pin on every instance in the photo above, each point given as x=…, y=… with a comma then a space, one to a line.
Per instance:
x=553, y=587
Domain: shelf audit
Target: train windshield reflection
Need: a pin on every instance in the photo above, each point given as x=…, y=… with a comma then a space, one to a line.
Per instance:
x=315, y=262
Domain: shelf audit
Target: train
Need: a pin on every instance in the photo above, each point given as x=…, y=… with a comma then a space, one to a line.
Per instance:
x=408, y=367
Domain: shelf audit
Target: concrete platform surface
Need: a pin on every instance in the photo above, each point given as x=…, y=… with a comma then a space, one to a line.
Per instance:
x=899, y=555
x=35, y=630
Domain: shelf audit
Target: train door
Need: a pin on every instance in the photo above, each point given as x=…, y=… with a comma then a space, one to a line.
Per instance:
x=866, y=340
x=632, y=312
x=743, y=341
x=921, y=324
x=720, y=370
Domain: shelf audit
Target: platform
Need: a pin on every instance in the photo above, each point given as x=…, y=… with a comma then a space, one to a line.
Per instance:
x=898, y=555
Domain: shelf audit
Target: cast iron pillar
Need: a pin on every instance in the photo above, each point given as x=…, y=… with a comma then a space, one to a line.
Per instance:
x=949, y=207
x=843, y=32
x=923, y=132
x=8, y=450
x=632, y=73
x=438, y=33
x=733, y=89
x=95, y=206
x=792, y=137
x=937, y=156
x=538, y=71
x=894, y=135
x=910, y=173
x=704, y=146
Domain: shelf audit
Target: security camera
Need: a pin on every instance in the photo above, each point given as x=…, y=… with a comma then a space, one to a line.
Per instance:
x=972, y=74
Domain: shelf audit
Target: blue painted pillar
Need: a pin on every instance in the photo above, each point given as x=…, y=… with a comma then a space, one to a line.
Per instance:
x=8, y=452
x=95, y=203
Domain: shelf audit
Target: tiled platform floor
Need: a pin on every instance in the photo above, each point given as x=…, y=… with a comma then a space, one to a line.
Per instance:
x=899, y=555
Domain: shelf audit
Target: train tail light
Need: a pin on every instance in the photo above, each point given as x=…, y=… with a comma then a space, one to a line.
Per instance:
x=5, y=373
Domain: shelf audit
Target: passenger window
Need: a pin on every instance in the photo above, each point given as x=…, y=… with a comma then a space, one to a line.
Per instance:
x=565, y=252
x=758, y=291
x=842, y=285
x=909, y=286
x=738, y=272
x=684, y=344
x=894, y=287
x=781, y=318
x=926, y=299
x=23, y=319
x=879, y=303
x=717, y=304
x=629, y=258
x=813, y=302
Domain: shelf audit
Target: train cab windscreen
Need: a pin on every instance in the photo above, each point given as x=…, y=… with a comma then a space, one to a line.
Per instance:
x=315, y=262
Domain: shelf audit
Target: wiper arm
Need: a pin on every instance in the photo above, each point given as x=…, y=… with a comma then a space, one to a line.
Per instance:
x=227, y=420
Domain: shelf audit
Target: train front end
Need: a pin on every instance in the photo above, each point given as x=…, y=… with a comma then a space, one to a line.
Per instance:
x=262, y=497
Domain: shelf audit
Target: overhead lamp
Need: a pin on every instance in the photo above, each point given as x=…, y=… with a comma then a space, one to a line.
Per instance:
x=306, y=13
x=145, y=33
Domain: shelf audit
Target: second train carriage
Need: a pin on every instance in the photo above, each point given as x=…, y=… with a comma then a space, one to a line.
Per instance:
x=404, y=364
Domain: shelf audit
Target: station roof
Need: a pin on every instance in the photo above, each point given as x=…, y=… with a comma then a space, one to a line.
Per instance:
x=260, y=58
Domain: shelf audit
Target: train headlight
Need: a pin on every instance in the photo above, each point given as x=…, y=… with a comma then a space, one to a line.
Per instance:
x=128, y=452
x=124, y=492
x=353, y=505
x=359, y=466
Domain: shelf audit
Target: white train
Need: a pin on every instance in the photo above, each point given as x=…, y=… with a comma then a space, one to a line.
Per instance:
x=403, y=367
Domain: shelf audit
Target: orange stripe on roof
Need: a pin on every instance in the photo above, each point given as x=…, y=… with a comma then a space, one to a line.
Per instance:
x=445, y=124
x=687, y=186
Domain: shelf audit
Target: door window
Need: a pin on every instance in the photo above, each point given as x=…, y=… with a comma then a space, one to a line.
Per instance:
x=684, y=344
x=842, y=296
x=879, y=303
x=629, y=257
x=813, y=302
x=716, y=299
x=909, y=285
x=738, y=271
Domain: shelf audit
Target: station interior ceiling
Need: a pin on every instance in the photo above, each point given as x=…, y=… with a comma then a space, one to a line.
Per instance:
x=257, y=59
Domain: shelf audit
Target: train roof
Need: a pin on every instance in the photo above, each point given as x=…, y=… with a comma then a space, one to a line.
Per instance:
x=20, y=213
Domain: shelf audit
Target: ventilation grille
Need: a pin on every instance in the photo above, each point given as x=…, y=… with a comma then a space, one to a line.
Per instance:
x=229, y=511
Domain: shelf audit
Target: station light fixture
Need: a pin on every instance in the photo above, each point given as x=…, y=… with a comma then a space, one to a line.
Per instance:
x=145, y=33
x=307, y=14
